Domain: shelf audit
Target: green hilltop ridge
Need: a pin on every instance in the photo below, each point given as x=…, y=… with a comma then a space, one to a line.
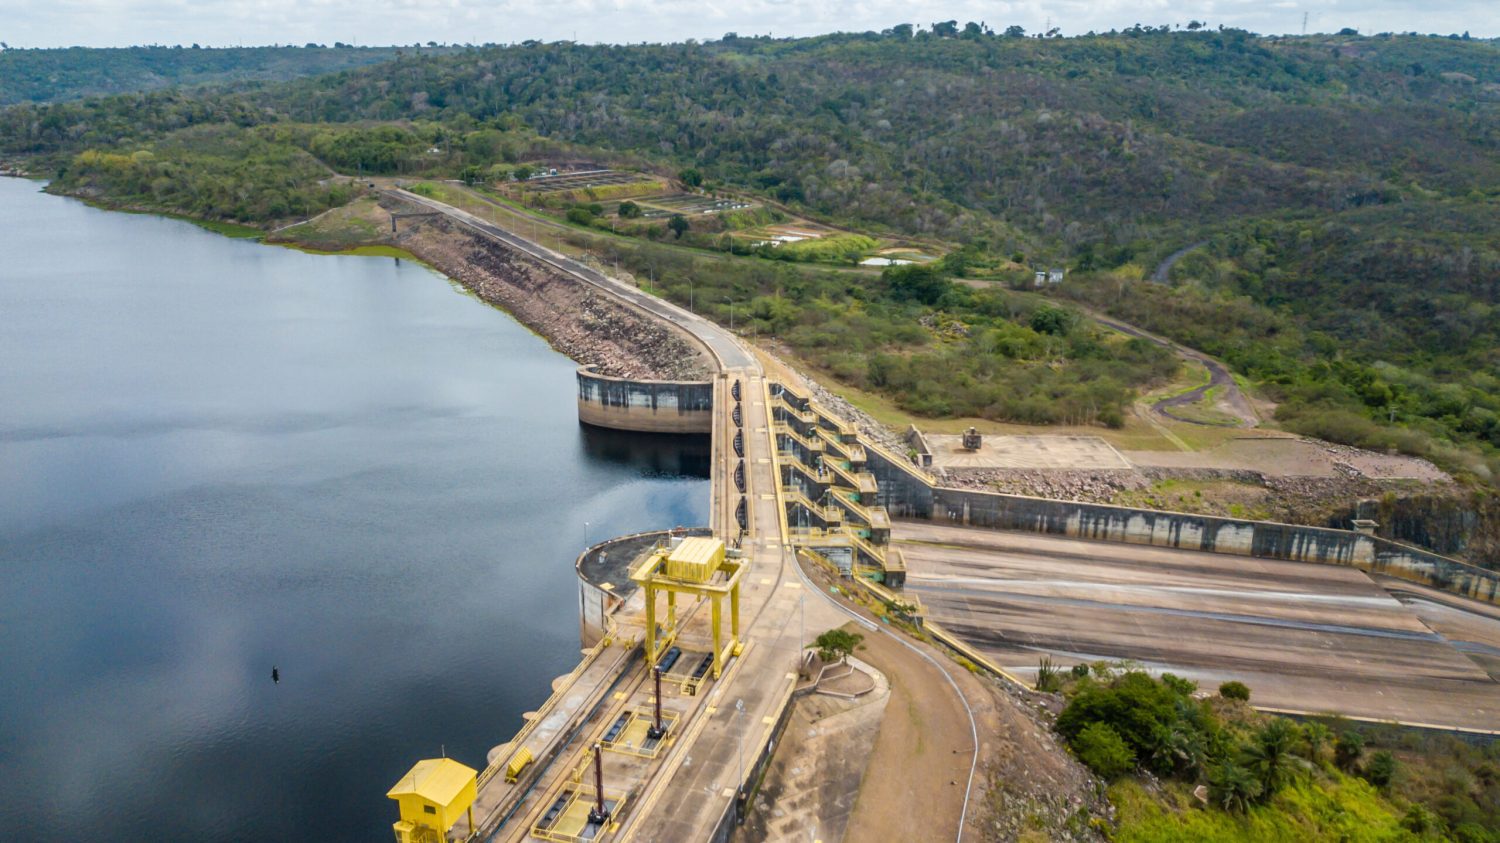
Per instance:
x=1344, y=190
x=51, y=75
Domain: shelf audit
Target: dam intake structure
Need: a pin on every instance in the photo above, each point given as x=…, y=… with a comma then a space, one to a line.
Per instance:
x=644, y=406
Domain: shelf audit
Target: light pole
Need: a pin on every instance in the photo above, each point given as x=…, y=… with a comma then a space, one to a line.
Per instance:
x=801, y=623
x=731, y=313
x=739, y=709
x=585, y=534
x=690, y=294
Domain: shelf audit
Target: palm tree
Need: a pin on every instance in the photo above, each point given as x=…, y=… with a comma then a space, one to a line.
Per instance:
x=1269, y=756
x=1317, y=736
x=1232, y=787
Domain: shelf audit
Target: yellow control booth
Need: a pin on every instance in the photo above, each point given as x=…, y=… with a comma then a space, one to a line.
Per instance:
x=434, y=795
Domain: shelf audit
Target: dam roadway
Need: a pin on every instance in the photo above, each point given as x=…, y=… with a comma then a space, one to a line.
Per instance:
x=686, y=792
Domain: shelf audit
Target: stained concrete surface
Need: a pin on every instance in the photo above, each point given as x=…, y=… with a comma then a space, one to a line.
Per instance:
x=1026, y=452
x=1303, y=636
x=813, y=782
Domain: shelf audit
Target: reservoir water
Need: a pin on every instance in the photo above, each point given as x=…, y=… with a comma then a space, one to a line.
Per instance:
x=217, y=457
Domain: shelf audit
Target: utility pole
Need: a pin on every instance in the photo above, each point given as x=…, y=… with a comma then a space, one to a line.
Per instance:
x=739, y=709
x=656, y=732
x=600, y=814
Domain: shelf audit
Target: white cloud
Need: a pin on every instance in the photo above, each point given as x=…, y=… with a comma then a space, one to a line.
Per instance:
x=121, y=22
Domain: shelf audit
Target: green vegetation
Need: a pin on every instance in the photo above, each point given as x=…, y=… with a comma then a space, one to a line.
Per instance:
x=74, y=72
x=210, y=172
x=1345, y=188
x=1233, y=690
x=836, y=644
x=836, y=248
x=1267, y=777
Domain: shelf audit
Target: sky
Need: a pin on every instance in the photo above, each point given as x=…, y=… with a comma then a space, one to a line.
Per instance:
x=116, y=23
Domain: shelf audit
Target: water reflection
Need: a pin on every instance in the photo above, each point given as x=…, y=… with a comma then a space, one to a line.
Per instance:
x=649, y=454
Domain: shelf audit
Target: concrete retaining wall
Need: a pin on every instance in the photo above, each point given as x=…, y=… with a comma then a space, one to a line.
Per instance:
x=645, y=406
x=608, y=564
x=907, y=494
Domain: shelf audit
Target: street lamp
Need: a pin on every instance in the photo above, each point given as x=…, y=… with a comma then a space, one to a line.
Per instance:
x=731, y=313
x=739, y=709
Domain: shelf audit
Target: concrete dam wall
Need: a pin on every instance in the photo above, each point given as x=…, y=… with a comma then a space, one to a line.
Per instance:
x=908, y=493
x=644, y=405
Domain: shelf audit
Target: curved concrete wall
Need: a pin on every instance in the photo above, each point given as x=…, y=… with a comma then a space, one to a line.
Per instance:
x=604, y=577
x=645, y=406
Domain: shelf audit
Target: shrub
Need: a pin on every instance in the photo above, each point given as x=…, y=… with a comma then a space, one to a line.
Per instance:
x=1185, y=687
x=1048, y=678
x=1235, y=691
x=1102, y=749
x=581, y=216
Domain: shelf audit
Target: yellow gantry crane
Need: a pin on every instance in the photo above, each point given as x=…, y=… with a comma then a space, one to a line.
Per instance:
x=699, y=567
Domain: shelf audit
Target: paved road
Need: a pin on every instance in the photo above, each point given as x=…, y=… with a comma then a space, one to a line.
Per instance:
x=1303, y=636
x=1163, y=272
x=1219, y=377
x=723, y=345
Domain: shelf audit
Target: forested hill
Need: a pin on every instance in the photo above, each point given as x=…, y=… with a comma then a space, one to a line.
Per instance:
x=1078, y=140
x=51, y=75
x=1346, y=188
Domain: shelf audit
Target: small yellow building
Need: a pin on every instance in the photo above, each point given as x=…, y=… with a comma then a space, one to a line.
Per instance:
x=434, y=795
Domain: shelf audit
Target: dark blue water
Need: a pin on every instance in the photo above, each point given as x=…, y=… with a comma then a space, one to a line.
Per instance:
x=216, y=457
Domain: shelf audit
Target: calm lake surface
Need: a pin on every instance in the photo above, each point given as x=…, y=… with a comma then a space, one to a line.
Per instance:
x=218, y=456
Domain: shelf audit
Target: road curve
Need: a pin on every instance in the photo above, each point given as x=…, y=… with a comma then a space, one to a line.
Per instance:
x=1163, y=272
x=1219, y=376
x=720, y=342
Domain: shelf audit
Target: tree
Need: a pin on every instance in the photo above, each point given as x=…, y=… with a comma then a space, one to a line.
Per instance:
x=1052, y=320
x=836, y=644
x=1316, y=736
x=679, y=224
x=522, y=173
x=690, y=177
x=945, y=29
x=1194, y=25
x=629, y=210
x=1235, y=691
x=1102, y=749
x=1014, y=31
x=1347, y=749
x=902, y=31
x=915, y=282
x=1381, y=769
x=1269, y=756
x=1232, y=787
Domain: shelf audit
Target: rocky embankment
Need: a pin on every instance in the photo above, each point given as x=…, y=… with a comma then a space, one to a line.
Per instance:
x=578, y=320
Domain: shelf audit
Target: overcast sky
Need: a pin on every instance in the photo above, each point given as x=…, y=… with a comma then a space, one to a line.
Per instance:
x=110, y=23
